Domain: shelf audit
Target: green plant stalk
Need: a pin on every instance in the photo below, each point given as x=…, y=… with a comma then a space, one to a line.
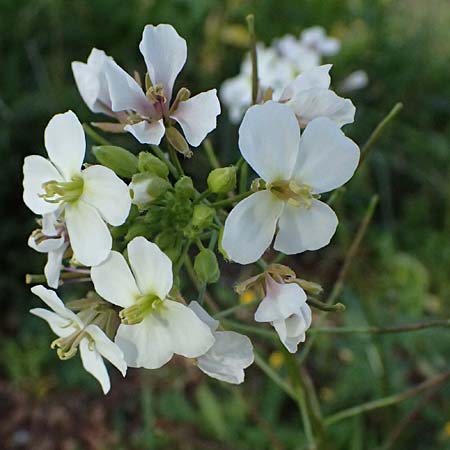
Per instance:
x=211, y=154
x=336, y=307
x=175, y=160
x=94, y=135
x=254, y=56
x=231, y=200
x=162, y=156
x=202, y=196
x=243, y=177
x=233, y=309
x=259, y=331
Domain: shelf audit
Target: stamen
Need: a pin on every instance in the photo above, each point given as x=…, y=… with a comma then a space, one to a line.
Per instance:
x=294, y=193
x=63, y=191
x=136, y=313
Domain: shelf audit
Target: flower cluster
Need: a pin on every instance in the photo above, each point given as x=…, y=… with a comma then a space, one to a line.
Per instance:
x=129, y=226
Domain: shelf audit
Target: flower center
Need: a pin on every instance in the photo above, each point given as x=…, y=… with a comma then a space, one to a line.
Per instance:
x=296, y=194
x=66, y=347
x=63, y=191
x=142, y=307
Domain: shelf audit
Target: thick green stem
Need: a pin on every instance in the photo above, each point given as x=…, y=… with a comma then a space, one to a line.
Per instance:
x=211, y=154
x=253, y=56
x=95, y=136
x=231, y=200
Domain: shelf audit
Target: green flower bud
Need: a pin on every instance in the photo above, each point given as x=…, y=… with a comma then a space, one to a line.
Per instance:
x=138, y=228
x=121, y=161
x=146, y=187
x=150, y=163
x=165, y=239
x=206, y=266
x=178, y=142
x=202, y=216
x=223, y=180
x=185, y=187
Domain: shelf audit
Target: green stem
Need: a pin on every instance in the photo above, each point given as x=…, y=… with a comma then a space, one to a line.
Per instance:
x=387, y=401
x=210, y=153
x=233, y=309
x=336, y=307
x=254, y=57
x=243, y=177
x=162, y=156
x=94, y=135
x=259, y=331
x=231, y=200
x=176, y=161
x=202, y=196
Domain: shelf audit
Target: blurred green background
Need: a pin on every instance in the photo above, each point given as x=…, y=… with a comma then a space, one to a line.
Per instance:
x=400, y=275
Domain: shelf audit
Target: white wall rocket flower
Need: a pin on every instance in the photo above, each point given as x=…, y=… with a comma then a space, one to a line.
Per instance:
x=316, y=39
x=87, y=198
x=295, y=170
x=74, y=333
x=149, y=113
x=51, y=239
x=153, y=327
x=229, y=356
x=310, y=96
x=285, y=307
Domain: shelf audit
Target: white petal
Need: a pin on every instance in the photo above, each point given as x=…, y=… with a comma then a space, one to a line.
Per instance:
x=46, y=245
x=147, y=344
x=281, y=301
x=93, y=363
x=37, y=171
x=316, y=77
x=189, y=335
x=147, y=132
x=302, y=229
x=59, y=325
x=107, y=193
x=198, y=116
x=151, y=267
x=89, y=236
x=228, y=357
x=125, y=93
x=268, y=139
x=53, y=267
x=250, y=227
x=203, y=315
x=114, y=281
x=51, y=299
x=313, y=103
x=329, y=46
x=65, y=143
x=107, y=348
x=164, y=52
x=356, y=80
x=327, y=158
x=49, y=223
x=235, y=93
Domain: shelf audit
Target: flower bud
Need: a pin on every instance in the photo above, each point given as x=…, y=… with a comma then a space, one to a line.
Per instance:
x=138, y=228
x=121, y=161
x=178, y=142
x=150, y=163
x=222, y=180
x=206, y=266
x=146, y=187
x=258, y=184
x=164, y=240
x=202, y=216
x=185, y=187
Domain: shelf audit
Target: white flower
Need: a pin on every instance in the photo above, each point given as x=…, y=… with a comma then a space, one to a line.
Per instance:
x=285, y=307
x=153, y=327
x=51, y=239
x=91, y=82
x=75, y=332
x=301, y=56
x=295, y=170
x=309, y=95
x=229, y=356
x=355, y=81
x=148, y=113
x=316, y=39
x=87, y=198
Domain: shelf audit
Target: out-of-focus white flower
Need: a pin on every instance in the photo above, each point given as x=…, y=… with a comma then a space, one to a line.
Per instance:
x=316, y=39
x=301, y=56
x=153, y=327
x=309, y=95
x=229, y=356
x=77, y=331
x=51, y=239
x=87, y=198
x=148, y=113
x=284, y=307
x=295, y=170
x=356, y=80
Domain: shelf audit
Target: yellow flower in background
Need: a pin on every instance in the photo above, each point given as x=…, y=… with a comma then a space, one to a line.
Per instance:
x=446, y=430
x=276, y=359
x=247, y=297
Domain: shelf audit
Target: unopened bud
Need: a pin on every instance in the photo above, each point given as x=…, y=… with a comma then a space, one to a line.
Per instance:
x=164, y=240
x=138, y=228
x=178, y=142
x=206, y=266
x=202, y=216
x=258, y=184
x=121, y=161
x=222, y=180
x=185, y=187
x=150, y=163
x=146, y=187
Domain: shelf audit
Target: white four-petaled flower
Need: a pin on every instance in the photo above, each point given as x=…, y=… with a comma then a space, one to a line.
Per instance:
x=87, y=198
x=74, y=333
x=295, y=170
x=229, y=356
x=154, y=327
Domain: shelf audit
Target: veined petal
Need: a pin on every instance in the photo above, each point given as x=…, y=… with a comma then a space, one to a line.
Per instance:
x=93, y=363
x=61, y=326
x=46, y=245
x=107, y=193
x=327, y=158
x=89, y=236
x=250, y=227
x=228, y=357
x=125, y=93
x=269, y=137
x=165, y=53
x=65, y=143
x=147, y=132
x=114, y=281
x=302, y=229
x=107, y=348
x=53, y=267
x=198, y=116
x=189, y=335
x=37, y=171
x=203, y=315
x=147, y=344
x=151, y=267
x=49, y=222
